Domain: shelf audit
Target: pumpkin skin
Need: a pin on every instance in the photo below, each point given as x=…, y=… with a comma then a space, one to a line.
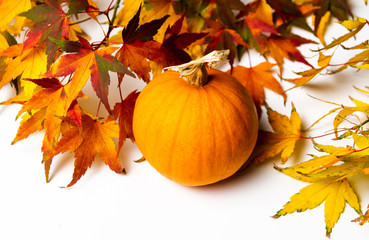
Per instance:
x=195, y=135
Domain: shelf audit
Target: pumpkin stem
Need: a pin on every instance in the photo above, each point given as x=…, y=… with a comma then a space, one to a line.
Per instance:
x=194, y=72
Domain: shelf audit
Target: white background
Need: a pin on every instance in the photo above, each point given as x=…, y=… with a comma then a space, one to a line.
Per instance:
x=144, y=205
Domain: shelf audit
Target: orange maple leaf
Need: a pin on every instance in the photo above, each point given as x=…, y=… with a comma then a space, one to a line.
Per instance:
x=86, y=63
x=255, y=79
x=280, y=48
x=46, y=108
x=283, y=139
x=260, y=20
x=220, y=37
x=95, y=138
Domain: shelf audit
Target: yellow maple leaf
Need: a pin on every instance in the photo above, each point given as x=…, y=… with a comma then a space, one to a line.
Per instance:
x=10, y=9
x=127, y=12
x=346, y=111
x=30, y=63
x=308, y=75
x=335, y=195
x=283, y=139
x=157, y=9
x=3, y=43
x=322, y=27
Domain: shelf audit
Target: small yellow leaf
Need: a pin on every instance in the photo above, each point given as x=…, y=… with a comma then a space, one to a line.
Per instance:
x=346, y=111
x=363, y=66
x=356, y=26
x=283, y=139
x=324, y=60
x=322, y=28
x=3, y=43
x=302, y=170
x=129, y=9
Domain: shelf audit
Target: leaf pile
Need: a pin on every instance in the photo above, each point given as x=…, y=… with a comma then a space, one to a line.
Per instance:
x=55, y=60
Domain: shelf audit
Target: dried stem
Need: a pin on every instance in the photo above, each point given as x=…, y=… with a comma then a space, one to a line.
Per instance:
x=194, y=72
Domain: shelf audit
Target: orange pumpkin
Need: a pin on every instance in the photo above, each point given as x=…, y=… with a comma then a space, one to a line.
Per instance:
x=195, y=134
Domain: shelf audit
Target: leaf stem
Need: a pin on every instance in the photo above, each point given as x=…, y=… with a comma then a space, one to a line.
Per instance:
x=348, y=63
x=342, y=130
x=98, y=108
x=111, y=21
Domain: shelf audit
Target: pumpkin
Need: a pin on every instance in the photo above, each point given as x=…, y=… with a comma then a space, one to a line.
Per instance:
x=195, y=132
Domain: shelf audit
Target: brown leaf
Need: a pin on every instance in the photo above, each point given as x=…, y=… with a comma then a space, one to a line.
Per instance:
x=123, y=112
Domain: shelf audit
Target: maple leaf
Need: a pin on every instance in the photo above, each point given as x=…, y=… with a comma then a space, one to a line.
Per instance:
x=138, y=45
x=47, y=107
x=285, y=9
x=84, y=64
x=280, y=48
x=123, y=112
x=260, y=19
x=219, y=38
x=323, y=168
x=337, y=8
x=158, y=9
x=255, y=79
x=171, y=52
x=30, y=63
x=10, y=9
x=51, y=21
x=354, y=26
x=335, y=195
x=224, y=11
x=88, y=6
x=127, y=12
x=3, y=42
x=283, y=139
x=95, y=139
x=308, y=75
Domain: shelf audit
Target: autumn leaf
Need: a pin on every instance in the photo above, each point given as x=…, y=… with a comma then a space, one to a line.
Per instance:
x=172, y=51
x=345, y=111
x=280, y=48
x=123, y=112
x=50, y=21
x=28, y=64
x=255, y=79
x=85, y=63
x=127, y=12
x=158, y=9
x=335, y=195
x=354, y=26
x=337, y=8
x=10, y=10
x=88, y=6
x=138, y=44
x=220, y=37
x=286, y=132
x=310, y=74
x=46, y=108
x=95, y=139
x=323, y=168
x=260, y=20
